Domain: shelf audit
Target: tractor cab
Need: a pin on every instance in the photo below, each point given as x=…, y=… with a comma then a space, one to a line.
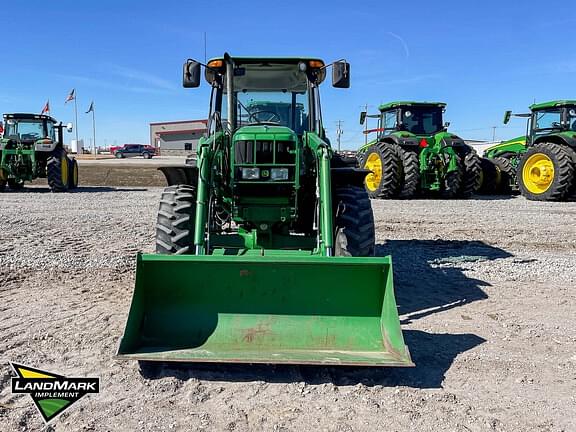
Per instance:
x=552, y=117
x=416, y=118
x=28, y=128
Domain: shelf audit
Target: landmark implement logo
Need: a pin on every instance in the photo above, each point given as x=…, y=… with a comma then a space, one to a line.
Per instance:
x=52, y=394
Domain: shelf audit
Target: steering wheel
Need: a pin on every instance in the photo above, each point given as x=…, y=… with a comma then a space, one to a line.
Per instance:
x=272, y=116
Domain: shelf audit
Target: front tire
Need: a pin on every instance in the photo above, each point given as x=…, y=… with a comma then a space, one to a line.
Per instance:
x=15, y=185
x=354, y=222
x=57, y=170
x=175, y=221
x=546, y=172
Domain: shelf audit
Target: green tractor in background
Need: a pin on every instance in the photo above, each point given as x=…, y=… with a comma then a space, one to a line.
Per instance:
x=265, y=245
x=32, y=147
x=415, y=154
x=542, y=163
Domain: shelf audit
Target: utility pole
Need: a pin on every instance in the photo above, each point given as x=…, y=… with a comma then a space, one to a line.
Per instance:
x=493, y=134
x=339, y=132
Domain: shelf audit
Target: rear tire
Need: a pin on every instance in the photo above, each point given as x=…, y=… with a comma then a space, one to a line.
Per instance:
x=546, y=172
x=384, y=181
x=453, y=181
x=409, y=172
x=507, y=175
x=72, y=174
x=488, y=177
x=57, y=170
x=471, y=175
x=146, y=155
x=354, y=222
x=175, y=221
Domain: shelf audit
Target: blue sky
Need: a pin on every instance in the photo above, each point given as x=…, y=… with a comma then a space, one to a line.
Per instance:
x=481, y=57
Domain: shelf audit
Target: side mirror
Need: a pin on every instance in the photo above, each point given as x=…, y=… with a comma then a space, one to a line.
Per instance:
x=191, y=75
x=507, y=116
x=446, y=125
x=341, y=74
x=362, y=117
x=69, y=127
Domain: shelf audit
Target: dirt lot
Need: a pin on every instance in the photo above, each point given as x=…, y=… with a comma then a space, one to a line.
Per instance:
x=486, y=291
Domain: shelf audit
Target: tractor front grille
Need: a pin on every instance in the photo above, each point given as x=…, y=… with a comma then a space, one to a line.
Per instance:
x=264, y=152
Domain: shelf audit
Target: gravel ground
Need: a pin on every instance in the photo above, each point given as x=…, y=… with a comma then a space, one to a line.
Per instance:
x=486, y=292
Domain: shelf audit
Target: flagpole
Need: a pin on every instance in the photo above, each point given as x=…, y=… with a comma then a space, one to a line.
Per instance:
x=94, y=129
x=76, y=118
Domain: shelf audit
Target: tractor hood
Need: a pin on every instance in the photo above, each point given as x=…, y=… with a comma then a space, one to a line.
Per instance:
x=265, y=132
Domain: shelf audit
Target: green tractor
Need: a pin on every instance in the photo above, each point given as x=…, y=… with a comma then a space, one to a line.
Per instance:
x=265, y=245
x=32, y=147
x=415, y=154
x=542, y=163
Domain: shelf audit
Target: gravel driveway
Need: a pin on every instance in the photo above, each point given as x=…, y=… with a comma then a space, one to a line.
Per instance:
x=486, y=290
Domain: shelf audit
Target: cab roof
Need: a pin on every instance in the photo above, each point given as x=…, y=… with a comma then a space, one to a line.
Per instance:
x=552, y=104
x=29, y=116
x=284, y=60
x=397, y=104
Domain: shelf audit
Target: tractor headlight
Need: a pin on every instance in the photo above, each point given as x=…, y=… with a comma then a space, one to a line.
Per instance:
x=250, y=173
x=279, y=174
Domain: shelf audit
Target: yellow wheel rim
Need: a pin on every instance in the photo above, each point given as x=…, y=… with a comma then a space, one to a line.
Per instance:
x=75, y=174
x=538, y=173
x=374, y=164
x=64, y=170
x=3, y=176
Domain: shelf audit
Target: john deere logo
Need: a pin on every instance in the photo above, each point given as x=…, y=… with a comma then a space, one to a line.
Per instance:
x=51, y=393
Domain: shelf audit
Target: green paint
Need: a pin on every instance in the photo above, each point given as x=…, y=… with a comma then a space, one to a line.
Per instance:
x=552, y=104
x=270, y=308
x=399, y=104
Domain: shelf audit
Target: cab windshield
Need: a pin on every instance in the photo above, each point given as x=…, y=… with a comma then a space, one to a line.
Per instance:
x=270, y=94
x=548, y=120
x=24, y=130
x=273, y=108
x=422, y=120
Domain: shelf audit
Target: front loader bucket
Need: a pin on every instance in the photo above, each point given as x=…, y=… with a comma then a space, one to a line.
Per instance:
x=264, y=309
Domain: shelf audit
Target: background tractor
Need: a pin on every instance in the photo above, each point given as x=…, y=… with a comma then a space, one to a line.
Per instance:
x=32, y=147
x=265, y=246
x=414, y=153
x=542, y=163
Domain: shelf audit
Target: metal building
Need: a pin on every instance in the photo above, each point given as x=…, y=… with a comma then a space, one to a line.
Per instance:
x=177, y=138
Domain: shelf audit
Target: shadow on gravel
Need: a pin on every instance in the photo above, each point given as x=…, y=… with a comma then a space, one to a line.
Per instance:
x=432, y=353
x=504, y=197
x=80, y=189
x=429, y=278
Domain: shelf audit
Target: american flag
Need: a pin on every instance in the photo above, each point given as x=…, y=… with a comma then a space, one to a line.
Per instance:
x=46, y=109
x=71, y=96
